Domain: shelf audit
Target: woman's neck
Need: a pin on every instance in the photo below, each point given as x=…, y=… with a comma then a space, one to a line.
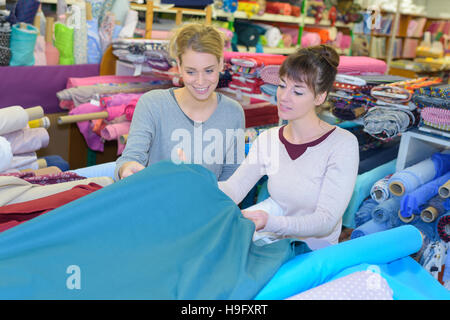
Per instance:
x=307, y=129
x=196, y=110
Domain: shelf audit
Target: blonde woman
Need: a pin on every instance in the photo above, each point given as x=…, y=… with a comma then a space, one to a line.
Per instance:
x=193, y=124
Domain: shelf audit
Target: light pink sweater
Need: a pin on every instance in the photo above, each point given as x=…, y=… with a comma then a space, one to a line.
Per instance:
x=312, y=190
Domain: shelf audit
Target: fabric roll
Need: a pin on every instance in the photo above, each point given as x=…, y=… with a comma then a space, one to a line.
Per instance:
x=64, y=43
x=443, y=227
x=40, y=58
x=369, y=227
x=77, y=21
x=436, y=207
x=364, y=212
x=24, y=161
x=106, y=30
x=437, y=116
x=380, y=190
x=5, y=154
x=446, y=275
x=23, y=40
x=99, y=170
x=12, y=119
x=444, y=190
x=387, y=212
x=57, y=161
x=410, y=178
x=28, y=140
x=413, y=202
x=94, y=51
x=428, y=229
x=26, y=10
x=130, y=24
x=114, y=131
x=441, y=163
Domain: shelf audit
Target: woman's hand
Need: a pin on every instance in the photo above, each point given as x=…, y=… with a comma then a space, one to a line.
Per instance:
x=259, y=218
x=129, y=168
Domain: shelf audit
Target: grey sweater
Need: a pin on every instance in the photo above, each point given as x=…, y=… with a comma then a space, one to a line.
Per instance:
x=160, y=129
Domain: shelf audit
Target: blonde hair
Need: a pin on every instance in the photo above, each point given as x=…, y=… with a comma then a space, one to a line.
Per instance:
x=197, y=37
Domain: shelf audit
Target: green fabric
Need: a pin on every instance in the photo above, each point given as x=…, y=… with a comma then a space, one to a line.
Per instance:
x=64, y=43
x=166, y=232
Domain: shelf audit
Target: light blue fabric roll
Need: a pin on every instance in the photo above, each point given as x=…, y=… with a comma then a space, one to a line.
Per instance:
x=303, y=272
x=99, y=170
x=368, y=228
x=94, y=52
x=364, y=214
x=387, y=212
x=364, y=183
x=22, y=45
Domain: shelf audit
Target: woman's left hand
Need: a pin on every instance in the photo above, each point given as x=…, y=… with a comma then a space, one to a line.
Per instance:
x=259, y=218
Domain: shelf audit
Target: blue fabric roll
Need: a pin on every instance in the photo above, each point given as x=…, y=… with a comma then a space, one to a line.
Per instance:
x=94, y=52
x=26, y=10
x=414, y=202
x=57, y=161
x=364, y=183
x=364, y=213
x=314, y=268
x=441, y=163
x=22, y=45
x=436, y=207
x=99, y=170
x=387, y=212
x=428, y=229
x=368, y=228
x=446, y=275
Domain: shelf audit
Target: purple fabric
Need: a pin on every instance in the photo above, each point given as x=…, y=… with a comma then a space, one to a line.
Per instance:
x=93, y=140
x=29, y=86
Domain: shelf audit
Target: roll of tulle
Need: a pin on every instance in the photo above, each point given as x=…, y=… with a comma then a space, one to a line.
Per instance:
x=64, y=43
x=436, y=207
x=12, y=119
x=443, y=227
x=5, y=154
x=413, y=202
x=40, y=58
x=387, y=212
x=364, y=212
x=23, y=41
x=409, y=179
x=28, y=140
x=368, y=228
x=380, y=190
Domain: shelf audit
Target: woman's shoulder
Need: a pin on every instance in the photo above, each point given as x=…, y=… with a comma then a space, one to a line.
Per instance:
x=342, y=139
x=230, y=103
x=156, y=94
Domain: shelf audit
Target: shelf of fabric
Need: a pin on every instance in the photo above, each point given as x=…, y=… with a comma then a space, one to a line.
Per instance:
x=270, y=50
x=416, y=146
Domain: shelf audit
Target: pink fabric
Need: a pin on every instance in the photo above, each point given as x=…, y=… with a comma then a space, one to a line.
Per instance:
x=115, y=111
x=361, y=65
x=51, y=55
x=310, y=39
x=40, y=58
x=436, y=116
x=129, y=109
x=93, y=140
x=115, y=130
x=88, y=81
x=118, y=99
x=228, y=55
x=269, y=74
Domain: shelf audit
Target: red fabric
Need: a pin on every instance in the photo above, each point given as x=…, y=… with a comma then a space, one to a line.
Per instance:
x=279, y=8
x=15, y=214
x=296, y=150
x=261, y=116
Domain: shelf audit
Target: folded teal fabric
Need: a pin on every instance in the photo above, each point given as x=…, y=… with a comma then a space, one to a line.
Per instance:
x=166, y=232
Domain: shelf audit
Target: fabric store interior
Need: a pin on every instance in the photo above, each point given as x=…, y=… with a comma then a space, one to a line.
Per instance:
x=71, y=75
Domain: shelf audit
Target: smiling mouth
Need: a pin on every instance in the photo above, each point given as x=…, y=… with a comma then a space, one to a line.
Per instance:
x=284, y=108
x=201, y=90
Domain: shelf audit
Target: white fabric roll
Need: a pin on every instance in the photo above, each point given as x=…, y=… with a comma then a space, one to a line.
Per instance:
x=27, y=140
x=5, y=154
x=12, y=119
x=129, y=25
x=24, y=161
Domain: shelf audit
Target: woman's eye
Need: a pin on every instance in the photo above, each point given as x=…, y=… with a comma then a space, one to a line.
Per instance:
x=281, y=85
x=298, y=93
x=209, y=71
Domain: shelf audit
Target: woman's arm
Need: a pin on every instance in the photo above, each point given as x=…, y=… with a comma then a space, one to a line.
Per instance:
x=336, y=191
x=142, y=131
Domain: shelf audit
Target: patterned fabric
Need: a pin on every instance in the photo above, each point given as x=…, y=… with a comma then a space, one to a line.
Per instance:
x=443, y=227
x=436, y=117
x=46, y=179
x=356, y=286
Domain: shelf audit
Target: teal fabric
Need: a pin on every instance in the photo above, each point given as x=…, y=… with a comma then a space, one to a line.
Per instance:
x=166, y=232
x=364, y=183
x=320, y=266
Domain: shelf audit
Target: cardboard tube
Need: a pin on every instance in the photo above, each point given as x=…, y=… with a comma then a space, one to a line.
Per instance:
x=82, y=117
x=49, y=30
x=406, y=219
x=42, y=163
x=40, y=123
x=397, y=188
x=444, y=190
x=88, y=11
x=429, y=214
x=123, y=138
x=35, y=113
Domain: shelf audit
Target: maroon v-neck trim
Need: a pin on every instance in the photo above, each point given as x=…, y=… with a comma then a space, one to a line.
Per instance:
x=296, y=150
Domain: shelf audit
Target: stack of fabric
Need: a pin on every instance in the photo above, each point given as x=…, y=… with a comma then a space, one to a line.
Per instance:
x=117, y=96
x=19, y=142
x=416, y=195
x=434, y=106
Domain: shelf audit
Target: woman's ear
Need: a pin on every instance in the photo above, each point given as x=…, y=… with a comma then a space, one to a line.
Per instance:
x=320, y=98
